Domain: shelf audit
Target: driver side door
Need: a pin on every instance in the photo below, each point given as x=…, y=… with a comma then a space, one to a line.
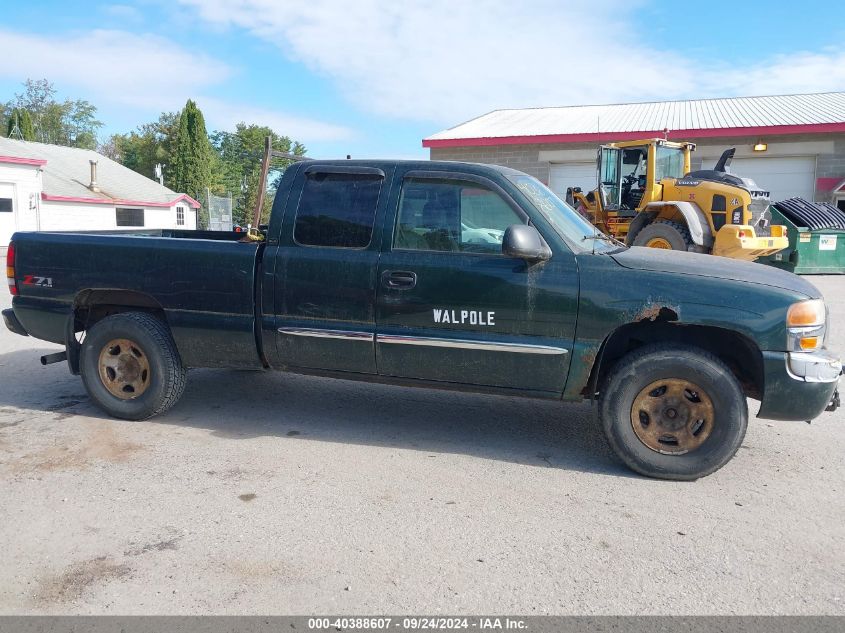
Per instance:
x=610, y=177
x=451, y=307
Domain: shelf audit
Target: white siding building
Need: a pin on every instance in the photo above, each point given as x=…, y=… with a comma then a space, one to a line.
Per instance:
x=53, y=188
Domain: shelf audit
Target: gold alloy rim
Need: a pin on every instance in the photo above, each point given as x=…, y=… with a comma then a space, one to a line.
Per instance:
x=659, y=242
x=672, y=416
x=124, y=369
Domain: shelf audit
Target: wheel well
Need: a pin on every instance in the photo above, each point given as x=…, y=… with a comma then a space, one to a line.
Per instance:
x=643, y=219
x=91, y=306
x=738, y=352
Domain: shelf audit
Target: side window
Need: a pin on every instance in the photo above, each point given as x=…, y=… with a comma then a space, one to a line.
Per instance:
x=451, y=215
x=337, y=209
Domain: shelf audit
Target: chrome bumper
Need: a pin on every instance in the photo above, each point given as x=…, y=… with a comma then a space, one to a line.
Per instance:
x=822, y=366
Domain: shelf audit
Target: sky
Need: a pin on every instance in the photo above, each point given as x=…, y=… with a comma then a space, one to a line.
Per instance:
x=372, y=78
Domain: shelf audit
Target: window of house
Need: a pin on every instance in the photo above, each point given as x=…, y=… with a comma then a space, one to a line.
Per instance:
x=129, y=217
x=451, y=215
x=5, y=205
x=337, y=209
x=180, y=216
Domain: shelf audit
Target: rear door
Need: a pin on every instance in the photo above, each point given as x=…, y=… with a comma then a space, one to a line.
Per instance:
x=452, y=308
x=325, y=269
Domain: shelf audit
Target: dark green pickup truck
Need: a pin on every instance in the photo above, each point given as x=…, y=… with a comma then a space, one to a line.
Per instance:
x=438, y=274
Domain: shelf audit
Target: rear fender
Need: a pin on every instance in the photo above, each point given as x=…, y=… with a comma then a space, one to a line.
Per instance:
x=92, y=304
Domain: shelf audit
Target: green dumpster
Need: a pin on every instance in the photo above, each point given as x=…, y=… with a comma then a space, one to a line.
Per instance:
x=816, y=234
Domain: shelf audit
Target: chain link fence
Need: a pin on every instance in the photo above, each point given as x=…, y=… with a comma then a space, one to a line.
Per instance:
x=219, y=212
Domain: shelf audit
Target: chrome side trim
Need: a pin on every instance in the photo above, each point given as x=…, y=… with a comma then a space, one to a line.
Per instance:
x=322, y=333
x=457, y=343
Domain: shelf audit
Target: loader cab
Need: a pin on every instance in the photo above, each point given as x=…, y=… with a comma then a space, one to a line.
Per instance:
x=630, y=173
x=623, y=176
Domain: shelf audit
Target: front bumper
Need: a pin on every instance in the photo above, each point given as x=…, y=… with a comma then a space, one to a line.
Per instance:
x=820, y=366
x=798, y=386
x=12, y=323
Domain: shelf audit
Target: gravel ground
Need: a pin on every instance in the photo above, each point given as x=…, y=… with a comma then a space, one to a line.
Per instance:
x=273, y=493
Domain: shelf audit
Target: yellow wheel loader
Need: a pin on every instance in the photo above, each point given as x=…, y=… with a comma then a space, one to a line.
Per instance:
x=647, y=196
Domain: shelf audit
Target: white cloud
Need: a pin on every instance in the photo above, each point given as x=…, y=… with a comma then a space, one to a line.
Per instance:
x=145, y=74
x=123, y=12
x=446, y=60
x=139, y=70
x=226, y=115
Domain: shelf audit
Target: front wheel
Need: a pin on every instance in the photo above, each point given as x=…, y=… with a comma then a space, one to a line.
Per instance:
x=673, y=412
x=130, y=366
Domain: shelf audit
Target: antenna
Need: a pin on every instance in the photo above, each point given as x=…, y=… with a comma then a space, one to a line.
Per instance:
x=15, y=132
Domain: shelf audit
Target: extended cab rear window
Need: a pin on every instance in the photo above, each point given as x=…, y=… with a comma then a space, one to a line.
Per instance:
x=337, y=209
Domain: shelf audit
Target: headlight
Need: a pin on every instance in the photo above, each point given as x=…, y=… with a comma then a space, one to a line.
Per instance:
x=805, y=325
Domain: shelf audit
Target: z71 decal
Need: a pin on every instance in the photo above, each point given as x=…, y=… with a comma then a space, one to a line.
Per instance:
x=473, y=317
x=35, y=280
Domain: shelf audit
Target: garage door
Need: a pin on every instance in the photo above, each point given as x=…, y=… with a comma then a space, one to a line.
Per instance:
x=783, y=177
x=7, y=213
x=563, y=175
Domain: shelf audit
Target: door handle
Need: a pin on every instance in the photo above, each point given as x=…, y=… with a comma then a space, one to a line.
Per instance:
x=399, y=280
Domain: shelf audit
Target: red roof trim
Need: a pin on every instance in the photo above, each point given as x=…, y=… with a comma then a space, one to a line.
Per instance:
x=592, y=137
x=116, y=201
x=20, y=160
x=834, y=185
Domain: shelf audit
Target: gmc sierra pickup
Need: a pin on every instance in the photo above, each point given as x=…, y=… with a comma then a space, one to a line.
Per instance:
x=438, y=274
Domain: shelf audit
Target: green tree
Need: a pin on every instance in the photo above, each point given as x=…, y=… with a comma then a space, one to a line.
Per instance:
x=71, y=122
x=19, y=125
x=146, y=146
x=194, y=159
x=239, y=166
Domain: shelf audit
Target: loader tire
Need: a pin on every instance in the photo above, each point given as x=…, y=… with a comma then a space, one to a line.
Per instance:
x=130, y=366
x=664, y=234
x=673, y=411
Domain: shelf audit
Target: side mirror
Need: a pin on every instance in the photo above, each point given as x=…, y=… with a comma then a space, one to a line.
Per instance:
x=525, y=242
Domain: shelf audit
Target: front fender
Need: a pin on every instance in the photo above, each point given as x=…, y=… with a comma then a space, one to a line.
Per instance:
x=693, y=216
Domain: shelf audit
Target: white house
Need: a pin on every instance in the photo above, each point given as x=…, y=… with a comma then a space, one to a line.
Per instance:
x=53, y=188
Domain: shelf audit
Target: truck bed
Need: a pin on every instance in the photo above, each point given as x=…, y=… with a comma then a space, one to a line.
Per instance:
x=203, y=282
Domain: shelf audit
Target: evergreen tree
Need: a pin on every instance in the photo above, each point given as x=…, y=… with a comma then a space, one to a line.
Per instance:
x=19, y=125
x=193, y=160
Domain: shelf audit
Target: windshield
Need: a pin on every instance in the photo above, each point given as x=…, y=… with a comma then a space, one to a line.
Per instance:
x=669, y=163
x=568, y=223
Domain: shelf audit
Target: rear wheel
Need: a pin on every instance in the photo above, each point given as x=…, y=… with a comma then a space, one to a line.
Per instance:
x=673, y=412
x=130, y=366
x=664, y=234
